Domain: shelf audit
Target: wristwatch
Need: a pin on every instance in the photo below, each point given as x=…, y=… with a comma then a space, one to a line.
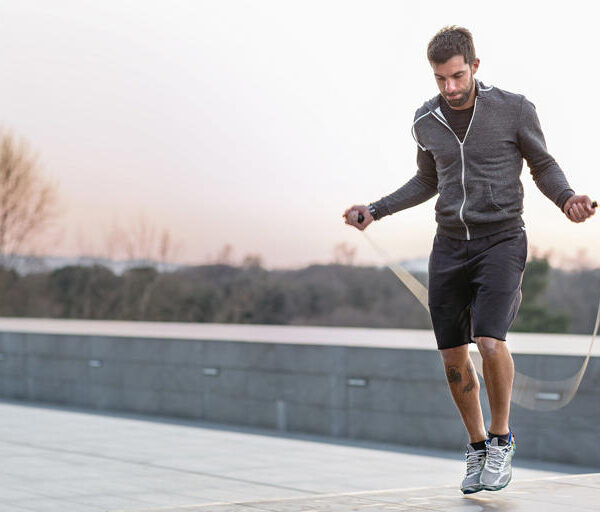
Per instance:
x=373, y=211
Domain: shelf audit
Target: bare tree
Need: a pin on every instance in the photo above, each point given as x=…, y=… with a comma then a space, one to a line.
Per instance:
x=252, y=261
x=143, y=240
x=224, y=255
x=28, y=201
x=138, y=238
x=344, y=254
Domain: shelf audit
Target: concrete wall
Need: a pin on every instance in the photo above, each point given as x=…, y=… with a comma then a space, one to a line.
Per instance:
x=383, y=394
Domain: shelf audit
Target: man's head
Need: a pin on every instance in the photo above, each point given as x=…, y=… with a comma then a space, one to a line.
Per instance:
x=451, y=53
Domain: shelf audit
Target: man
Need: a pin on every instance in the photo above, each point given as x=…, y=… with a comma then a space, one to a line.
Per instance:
x=472, y=139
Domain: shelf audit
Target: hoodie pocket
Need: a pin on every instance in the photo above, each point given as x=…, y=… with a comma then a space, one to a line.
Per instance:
x=493, y=202
x=449, y=202
x=482, y=206
x=506, y=197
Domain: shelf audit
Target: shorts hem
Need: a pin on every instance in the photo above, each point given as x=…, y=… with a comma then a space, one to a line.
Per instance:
x=455, y=345
x=489, y=336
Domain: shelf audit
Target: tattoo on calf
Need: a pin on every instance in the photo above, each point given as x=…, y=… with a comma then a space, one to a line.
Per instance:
x=471, y=384
x=453, y=374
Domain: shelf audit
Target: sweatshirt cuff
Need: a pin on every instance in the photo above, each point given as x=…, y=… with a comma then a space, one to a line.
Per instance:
x=562, y=198
x=378, y=209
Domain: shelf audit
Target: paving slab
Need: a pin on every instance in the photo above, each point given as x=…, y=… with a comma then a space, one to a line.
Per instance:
x=76, y=460
x=569, y=493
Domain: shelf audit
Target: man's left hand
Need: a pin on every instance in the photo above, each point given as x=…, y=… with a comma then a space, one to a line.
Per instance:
x=578, y=208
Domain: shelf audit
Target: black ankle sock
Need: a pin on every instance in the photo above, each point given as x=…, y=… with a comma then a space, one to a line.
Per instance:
x=479, y=445
x=502, y=439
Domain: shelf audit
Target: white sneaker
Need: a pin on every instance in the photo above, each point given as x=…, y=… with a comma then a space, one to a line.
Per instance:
x=475, y=462
x=497, y=470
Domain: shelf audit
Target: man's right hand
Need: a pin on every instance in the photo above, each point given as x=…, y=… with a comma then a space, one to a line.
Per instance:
x=578, y=208
x=351, y=216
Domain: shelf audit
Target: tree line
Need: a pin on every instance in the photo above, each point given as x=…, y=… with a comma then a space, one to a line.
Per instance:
x=326, y=295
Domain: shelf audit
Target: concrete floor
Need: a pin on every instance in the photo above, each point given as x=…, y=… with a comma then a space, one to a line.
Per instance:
x=64, y=459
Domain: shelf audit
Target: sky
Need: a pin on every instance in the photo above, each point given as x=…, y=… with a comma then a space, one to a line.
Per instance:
x=256, y=124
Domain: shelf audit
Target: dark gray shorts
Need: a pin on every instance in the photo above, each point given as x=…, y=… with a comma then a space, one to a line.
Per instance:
x=475, y=286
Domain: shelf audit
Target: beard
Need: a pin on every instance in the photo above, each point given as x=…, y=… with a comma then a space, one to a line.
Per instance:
x=462, y=99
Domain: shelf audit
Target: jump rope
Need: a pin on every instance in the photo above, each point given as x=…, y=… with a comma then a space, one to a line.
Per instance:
x=528, y=392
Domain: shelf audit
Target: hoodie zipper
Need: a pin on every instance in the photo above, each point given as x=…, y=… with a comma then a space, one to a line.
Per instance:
x=462, y=158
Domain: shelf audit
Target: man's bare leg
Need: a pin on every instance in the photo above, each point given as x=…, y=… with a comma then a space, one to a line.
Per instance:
x=498, y=373
x=464, y=387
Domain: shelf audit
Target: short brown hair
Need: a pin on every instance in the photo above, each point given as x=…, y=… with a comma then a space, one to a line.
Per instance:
x=450, y=41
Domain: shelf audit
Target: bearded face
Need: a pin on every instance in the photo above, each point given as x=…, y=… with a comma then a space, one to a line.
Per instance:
x=455, y=80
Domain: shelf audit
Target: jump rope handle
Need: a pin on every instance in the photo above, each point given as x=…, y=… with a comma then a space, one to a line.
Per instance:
x=361, y=217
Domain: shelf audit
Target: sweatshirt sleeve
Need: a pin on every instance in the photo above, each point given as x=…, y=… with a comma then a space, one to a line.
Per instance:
x=421, y=187
x=546, y=173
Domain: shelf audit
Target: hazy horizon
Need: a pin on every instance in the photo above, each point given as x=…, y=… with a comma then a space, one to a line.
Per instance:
x=257, y=124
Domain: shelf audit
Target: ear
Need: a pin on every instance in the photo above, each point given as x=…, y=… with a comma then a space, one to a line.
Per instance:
x=475, y=65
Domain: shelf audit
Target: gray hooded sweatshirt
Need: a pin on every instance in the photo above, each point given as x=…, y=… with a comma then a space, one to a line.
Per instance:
x=478, y=179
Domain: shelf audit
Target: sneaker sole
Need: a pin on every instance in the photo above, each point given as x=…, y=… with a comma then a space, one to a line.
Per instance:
x=495, y=488
x=472, y=490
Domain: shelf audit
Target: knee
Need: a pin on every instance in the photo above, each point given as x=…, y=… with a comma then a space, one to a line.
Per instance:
x=489, y=347
x=455, y=356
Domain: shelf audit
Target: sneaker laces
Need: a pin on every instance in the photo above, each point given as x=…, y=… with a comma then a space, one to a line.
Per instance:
x=475, y=461
x=496, y=457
